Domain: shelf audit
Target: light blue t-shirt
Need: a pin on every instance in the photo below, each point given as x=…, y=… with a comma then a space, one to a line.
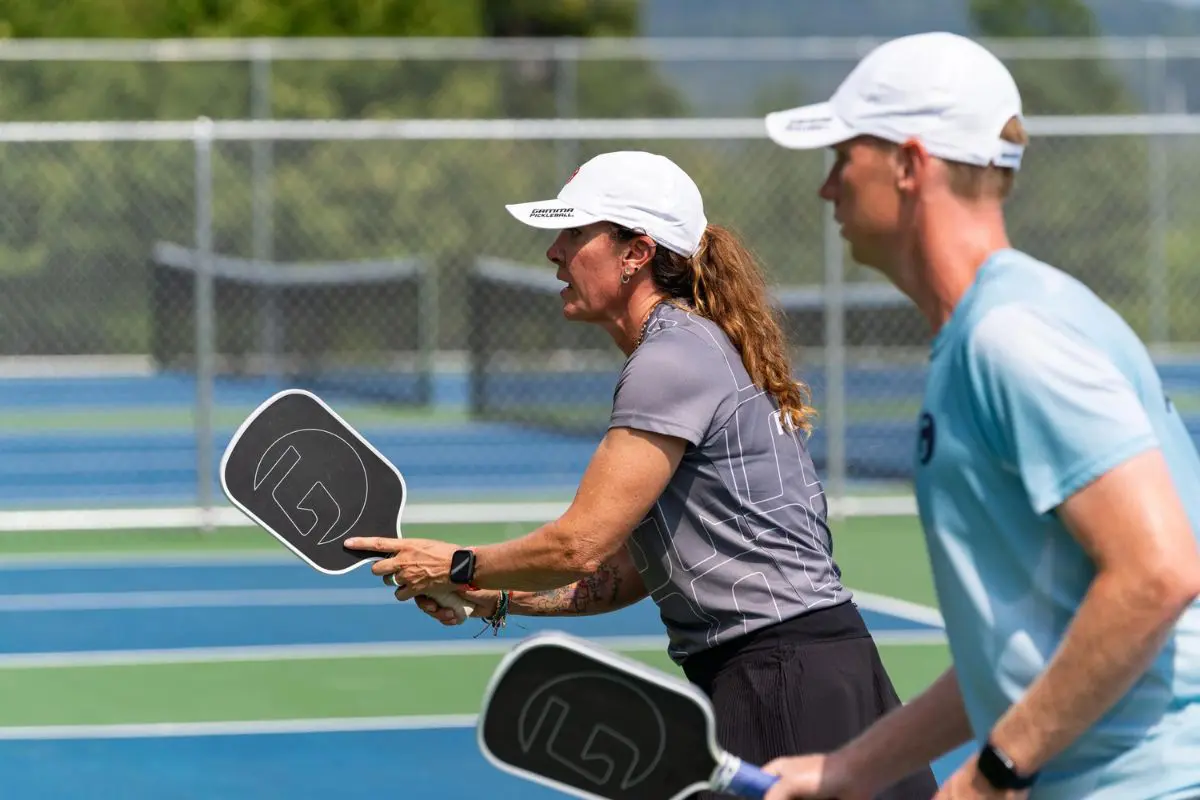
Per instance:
x=1035, y=389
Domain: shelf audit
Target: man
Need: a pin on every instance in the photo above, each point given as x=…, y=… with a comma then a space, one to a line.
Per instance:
x=1057, y=486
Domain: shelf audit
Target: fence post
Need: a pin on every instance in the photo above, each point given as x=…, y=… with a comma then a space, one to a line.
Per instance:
x=834, y=413
x=262, y=224
x=205, y=323
x=1159, y=289
x=566, y=102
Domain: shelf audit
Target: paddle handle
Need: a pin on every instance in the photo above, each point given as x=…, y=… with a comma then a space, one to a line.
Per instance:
x=449, y=599
x=738, y=778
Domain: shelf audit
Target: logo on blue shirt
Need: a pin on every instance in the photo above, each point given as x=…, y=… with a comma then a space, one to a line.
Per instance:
x=925, y=441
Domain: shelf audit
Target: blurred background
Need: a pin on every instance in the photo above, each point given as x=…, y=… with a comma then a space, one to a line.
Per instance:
x=340, y=225
x=205, y=201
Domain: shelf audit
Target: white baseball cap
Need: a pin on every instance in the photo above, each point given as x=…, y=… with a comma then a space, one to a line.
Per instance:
x=941, y=89
x=642, y=191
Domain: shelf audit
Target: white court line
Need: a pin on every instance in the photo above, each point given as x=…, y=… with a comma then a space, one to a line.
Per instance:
x=909, y=638
x=485, y=645
x=185, y=518
x=232, y=598
x=237, y=728
x=224, y=516
x=183, y=559
x=248, y=598
x=926, y=615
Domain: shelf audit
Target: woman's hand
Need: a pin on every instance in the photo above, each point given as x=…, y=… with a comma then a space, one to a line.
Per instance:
x=414, y=566
x=484, y=601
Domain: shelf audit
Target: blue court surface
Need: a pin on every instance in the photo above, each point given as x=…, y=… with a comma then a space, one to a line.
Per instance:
x=128, y=611
x=129, y=440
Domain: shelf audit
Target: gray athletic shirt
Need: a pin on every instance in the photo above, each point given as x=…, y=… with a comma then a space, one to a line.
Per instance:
x=738, y=540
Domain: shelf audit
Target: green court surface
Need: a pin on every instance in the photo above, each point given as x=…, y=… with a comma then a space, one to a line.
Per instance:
x=882, y=556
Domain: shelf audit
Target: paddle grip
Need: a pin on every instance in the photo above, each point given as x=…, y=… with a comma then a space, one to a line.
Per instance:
x=750, y=781
x=449, y=599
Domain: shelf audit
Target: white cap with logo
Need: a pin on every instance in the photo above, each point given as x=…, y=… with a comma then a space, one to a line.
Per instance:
x=642, y=191
x=945, y=91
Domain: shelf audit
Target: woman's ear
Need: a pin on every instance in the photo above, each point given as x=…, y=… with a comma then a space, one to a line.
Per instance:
x=638, y=252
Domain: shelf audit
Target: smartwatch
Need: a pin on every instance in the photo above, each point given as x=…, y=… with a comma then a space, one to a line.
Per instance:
x=998, y=769
x=462, y=568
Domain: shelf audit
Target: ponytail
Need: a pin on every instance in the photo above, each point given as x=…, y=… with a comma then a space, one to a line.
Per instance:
x=729, y=289
x=724, y=283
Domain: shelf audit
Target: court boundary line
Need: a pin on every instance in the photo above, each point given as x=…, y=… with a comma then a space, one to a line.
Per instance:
x=896, y=607
x=297, y=652
x=322, y=652
x=193, y=598
x=273, y=598
x=117, y=559
x=143, y=730
x=185, y=517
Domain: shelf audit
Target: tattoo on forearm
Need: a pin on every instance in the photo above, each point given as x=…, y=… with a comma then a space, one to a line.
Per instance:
x=597, y=592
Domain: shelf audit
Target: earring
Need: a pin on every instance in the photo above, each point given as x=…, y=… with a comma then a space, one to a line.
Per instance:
x=626, y=275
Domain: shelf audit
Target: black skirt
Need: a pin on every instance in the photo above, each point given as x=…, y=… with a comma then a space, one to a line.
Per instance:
x=806, y=685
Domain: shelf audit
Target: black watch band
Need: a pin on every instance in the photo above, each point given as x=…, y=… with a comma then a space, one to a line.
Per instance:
x=998, y=769
x=462, y=567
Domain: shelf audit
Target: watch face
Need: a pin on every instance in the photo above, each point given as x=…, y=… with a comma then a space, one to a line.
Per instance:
x=460, y=566
x=998, y=769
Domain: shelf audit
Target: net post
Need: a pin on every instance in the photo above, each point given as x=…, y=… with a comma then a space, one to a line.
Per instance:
x=428, y=313
x=204, y=318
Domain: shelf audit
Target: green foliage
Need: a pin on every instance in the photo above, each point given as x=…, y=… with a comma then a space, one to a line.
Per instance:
x=569, y=18
x=79, y=220
x=153, y=19
x=1026, y=18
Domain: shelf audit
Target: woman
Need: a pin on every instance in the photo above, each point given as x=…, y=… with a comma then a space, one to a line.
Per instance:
x=701, y=495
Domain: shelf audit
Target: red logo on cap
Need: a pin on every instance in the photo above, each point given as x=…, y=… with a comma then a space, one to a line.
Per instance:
x=573, y=174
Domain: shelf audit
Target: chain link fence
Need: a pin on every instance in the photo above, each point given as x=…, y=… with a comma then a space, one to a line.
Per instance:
x=397, y=286
x=539, y=78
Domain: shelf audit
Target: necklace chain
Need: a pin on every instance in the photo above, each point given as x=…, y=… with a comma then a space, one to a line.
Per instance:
x=646, y=323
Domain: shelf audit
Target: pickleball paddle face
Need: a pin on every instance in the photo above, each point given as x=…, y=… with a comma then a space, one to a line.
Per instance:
x=578, y=720
x=305, y=475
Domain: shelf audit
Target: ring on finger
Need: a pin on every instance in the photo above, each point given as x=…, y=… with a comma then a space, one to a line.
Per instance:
x=395, y=579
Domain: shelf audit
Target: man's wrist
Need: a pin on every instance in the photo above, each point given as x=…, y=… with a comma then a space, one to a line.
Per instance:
x=1001, y=770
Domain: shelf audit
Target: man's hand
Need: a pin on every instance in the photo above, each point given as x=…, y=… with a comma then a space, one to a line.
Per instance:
x=904, y=740
x=815, y=777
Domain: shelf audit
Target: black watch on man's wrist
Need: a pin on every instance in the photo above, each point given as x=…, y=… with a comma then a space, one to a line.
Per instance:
x=998, y=769
x=462, y=567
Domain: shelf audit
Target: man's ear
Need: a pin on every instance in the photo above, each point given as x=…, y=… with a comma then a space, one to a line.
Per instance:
x=912, y=165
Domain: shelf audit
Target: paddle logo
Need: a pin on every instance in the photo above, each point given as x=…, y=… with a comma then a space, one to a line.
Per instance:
x=299, y=485
x=601, y=727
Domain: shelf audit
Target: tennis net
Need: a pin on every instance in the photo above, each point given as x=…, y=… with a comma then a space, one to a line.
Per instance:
x=356, y=328
x=530, y=366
